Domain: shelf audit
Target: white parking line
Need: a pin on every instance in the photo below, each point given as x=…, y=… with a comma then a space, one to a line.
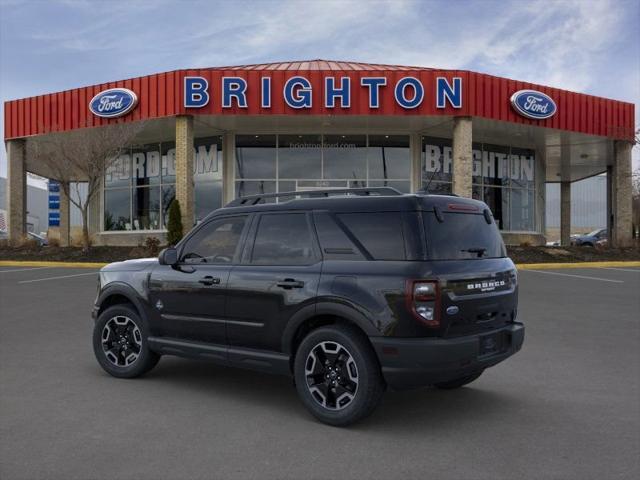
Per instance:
x=622, y=269
x=24, y=269
x=576, y=276
x=57, y=278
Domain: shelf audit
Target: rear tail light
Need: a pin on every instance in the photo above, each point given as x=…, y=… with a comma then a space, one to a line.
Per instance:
x=423, y=301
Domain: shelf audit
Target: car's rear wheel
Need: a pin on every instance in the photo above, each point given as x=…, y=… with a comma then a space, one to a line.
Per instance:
x=458, y=382
x=120, y=343
x=337, y=375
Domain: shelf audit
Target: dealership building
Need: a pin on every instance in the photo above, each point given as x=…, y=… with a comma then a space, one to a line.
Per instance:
x=211, y=135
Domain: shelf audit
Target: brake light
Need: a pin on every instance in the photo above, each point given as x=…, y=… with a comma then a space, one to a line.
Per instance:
x=423, y=301
x=462, y=207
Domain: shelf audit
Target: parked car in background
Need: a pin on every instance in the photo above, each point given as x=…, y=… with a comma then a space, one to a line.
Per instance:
x=590, y=239
x=42, y=240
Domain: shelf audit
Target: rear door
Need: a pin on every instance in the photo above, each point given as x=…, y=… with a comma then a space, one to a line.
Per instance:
x=190, y=297
x=477, y=280
x=278, y=276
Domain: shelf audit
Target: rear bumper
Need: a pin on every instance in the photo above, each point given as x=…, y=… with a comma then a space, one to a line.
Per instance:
x=415, y=362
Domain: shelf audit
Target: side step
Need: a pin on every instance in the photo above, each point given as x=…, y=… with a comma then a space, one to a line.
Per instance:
x=249, y=358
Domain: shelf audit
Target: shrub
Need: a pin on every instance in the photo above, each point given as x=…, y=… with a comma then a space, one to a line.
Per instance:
x=525, y=244
x=54, y=242
x=138, y=252
x=29, y=244
x=174, y=225
x=152, y=245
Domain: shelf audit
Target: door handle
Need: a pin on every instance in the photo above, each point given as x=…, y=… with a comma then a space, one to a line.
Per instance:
x=289, y=283
x=209, y=280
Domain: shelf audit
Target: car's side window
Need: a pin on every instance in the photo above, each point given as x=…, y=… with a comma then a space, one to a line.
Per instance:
x=216, y=242
x=283, y=239
x=380, y=233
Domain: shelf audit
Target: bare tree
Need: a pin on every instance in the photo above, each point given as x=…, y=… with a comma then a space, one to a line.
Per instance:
x=82, y=156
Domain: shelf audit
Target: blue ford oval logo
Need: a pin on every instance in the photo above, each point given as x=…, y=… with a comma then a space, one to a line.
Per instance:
x=533, y=104
x=452, y=310
x=114, y=102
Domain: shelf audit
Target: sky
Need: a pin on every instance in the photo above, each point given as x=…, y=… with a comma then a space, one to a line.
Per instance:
x=581, y=45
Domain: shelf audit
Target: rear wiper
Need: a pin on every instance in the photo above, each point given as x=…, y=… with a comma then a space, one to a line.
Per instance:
x=480, y=251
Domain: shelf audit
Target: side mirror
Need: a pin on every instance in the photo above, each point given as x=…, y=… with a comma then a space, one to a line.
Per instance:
x=168, y=256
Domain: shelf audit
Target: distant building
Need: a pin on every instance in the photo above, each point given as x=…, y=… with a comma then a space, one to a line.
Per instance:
x=37, y=207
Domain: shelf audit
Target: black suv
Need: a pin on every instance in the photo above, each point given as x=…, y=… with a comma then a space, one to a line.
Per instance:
x=348, y=291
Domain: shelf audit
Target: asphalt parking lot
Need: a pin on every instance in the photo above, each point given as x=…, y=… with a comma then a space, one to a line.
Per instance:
x=567, y=406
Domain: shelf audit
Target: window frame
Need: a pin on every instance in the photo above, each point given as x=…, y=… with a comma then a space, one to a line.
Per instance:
x=247, y=253
x=239, y=248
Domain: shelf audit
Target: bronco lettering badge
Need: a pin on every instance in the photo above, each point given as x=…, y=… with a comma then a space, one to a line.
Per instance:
x=486, y=286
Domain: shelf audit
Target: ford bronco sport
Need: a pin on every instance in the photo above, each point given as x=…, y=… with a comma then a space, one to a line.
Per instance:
x=349, y=292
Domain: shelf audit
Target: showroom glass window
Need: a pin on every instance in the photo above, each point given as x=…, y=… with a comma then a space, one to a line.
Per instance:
x=285, y=163
x=140, y=185
x=503, y=177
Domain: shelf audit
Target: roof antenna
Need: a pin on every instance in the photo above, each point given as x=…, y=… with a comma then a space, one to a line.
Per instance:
x=425, y=189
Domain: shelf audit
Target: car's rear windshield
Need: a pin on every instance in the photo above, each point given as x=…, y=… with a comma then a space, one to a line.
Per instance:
x=456, y=236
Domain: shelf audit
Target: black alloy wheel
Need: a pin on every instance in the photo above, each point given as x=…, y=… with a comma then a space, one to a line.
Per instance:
x=120, y=342
x=332, y=375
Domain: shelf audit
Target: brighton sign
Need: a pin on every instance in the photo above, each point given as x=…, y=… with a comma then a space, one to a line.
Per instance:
x=113, y=103
x=533, y=104
x=408, y=92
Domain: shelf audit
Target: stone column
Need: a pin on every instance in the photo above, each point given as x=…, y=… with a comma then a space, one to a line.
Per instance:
x=610, y=202
x=228, y=167
x=65, y=217
x=462, y=156
x=415, y=147
x=16, y=191
x=184, y=170
x=621, y=185
x=565, y=213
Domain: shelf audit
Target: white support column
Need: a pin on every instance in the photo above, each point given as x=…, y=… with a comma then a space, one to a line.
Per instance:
x=16, y=191
x=462, y=156
x=565, y=213
x=184, y=170
x=228, y=167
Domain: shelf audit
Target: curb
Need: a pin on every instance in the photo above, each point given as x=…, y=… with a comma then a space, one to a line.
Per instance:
x=520, y=266
x=27, y=263
x=548, y=266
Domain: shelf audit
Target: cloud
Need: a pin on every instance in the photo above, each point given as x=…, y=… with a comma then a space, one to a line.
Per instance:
x=584, y=45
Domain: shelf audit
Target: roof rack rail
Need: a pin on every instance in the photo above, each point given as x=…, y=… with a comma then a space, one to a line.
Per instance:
x=423, y=191
x=255, y=199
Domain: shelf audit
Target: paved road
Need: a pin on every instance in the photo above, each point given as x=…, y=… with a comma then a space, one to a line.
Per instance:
x=567, y=406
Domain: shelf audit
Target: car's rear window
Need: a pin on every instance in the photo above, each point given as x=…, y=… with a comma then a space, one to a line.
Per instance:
x=462, y=236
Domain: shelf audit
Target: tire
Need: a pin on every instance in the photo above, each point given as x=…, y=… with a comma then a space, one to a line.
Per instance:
x=458, y=382
x=121, y=328
x=346, y=389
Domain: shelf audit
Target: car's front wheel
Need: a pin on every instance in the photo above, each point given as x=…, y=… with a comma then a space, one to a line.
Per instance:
x=120, y=343
x=337, y=375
